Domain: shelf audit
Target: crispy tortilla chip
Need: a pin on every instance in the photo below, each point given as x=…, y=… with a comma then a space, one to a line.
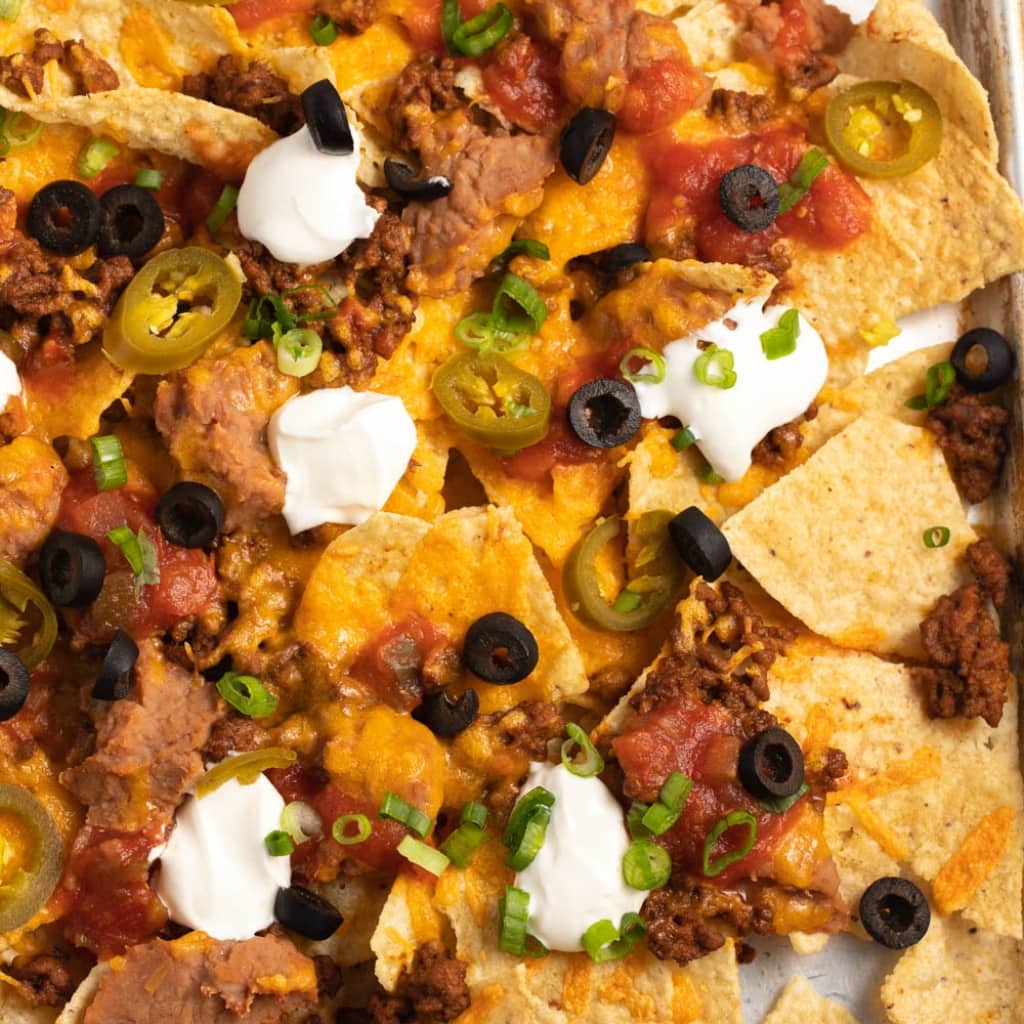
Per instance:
x=360, y=901
x=79, y=1003
x=800, y=1003
x=839, y=541
x=418, y=493
x=956, y=973
x=918, y=789
x=710, y=30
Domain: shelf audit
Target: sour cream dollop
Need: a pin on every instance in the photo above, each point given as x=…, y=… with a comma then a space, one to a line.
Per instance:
x=10, y=382
x=576, y=879
x=343, y=452
x=728, y=422
x=215, y=873
x=303, y=205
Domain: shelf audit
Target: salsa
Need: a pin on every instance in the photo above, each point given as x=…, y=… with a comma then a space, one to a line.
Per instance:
x=522, y=79
x=659, y=93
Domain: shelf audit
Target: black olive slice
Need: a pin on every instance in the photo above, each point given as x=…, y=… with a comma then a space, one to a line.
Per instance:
x=701, y=544
x=895, y=913
x=446, y=717
x=771, y=765
x=115, y=676
x=983, y=359
x=326, y=119
x=307, y=913
x=749, y=197
x=131, y=222
x=585, y=143
x=64, y=217
x=190, y=515
x=402, y=178
x=621, y=257
x=13, y=685
x=604, y=413
x=500, y=649
x=71, y=569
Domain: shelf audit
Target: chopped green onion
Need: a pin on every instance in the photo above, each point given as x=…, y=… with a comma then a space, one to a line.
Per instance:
x=95, y=156
x=917, y=402
x=635, y=820
x=394, y=807
x=139, y=553
x=646, y=865
x=422, y=855
x=936, y=536
x=478, y=330
x=683, y=439
x=17, y=130
x=476, y=36
x=734, y=819
x=627, y=601
x=473, y=814
x=301, y=822
x=780, y=341
x=108, y=464
x=714, y=367
x=649, y=358
x=323, y=30
x=279, y=843
x=451, y=19
x=461, y=846
x=800, y=181
x=604, y=942
x=940, y=380
x=10, y=9
x=592, y=763
x=342, y=832
x=707, y=475
x=150, y=178
x=513, y=913
x=225, y=204
x=526, y=246
x=527, y=826
x=784, y=803
x=267, y=316
x=664, y=813
x=246, y=694
x=522, y=295
x=298, y=352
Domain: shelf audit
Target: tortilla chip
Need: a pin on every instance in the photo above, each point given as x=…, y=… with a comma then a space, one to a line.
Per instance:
x=800, y=1003
x=956, y=973
x=918, y=789
x=841, y=548
x=710, y=30
x=418, y=493
x=74, y=1011
x=360, y=901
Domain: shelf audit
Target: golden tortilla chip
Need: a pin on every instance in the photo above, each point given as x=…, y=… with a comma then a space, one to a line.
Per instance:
x=917, y=788
x=800, y=1003
x=839, y=542
x=360, y=901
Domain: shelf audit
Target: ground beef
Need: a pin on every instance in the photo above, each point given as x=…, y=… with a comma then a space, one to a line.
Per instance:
x=739, y=112
x=990, y=569
x=970, y=664
x=433, y=989
x=428, y=83
x=234, y=734
x=777, y=448
x=529, y=727
x=328, y=977
x=45, y=979
x=351, y=16
x=972, y=435
x=823, y=775
x=698, y=663
x=24, y=73
x=92, y=72
x=266, y=275
x=254, y=90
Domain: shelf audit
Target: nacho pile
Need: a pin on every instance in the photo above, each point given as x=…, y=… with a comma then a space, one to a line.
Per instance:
x=454, y=565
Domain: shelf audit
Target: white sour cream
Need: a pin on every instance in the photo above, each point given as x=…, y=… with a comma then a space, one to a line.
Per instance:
x=10, y=382
x=343, y=452
x=215, y=873
x=767, y=392
x=576, y=879
x=303, y=205
x=918, y=330
x=857, y=10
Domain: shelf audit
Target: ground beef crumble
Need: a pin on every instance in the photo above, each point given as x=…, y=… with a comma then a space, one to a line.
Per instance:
x=777, y=448
x=433, y=989
x=739, y=112
x=529, y=727
x=25, y=73
x=45, y=979
x=427, y=82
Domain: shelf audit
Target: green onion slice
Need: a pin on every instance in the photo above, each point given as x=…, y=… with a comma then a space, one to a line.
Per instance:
x=646, y=865
x=652, y=371
x=635, y=820
x=478, y=330
x=800, y=181
x=520, y=294
x=149, y=178
x=451, y=19
x=17, y=130
x=513, y=913
x=683, y=439
x=936, y=536
x=939, y=383
x=461, y=846
x=342, y=829
x=536, y=804
x=10, y=9
x=473, y=814
x=664, y=813
x=780, y=340
x=95, y=156
x=140, y=553
x=734, y=819
x=523, y=854
x=784, y=803
x=279, y=843
x=108, y=464
x=604, y=942
x=298, y=352
x=225, y=204
x=707, y=474
x=247, y=695
x=419, y=853
x=524, y=246
x=476, y=36
x=394, y=807
x=323, y=30
x=301, y=821
x=714, y=367
x=592, y=762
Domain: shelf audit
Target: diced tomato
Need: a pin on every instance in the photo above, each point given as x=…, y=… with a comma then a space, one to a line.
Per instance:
x=522, y=79
x=115, y=174
x=191, y=199
x=560, y=447
x=792, y=43
x=250, y=13
x=423, y=22
x=703, y=742
x=659, y=93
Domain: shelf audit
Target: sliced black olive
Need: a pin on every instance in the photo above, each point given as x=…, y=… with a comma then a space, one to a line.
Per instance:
x=446, y=717
x=71, y=569
x=621, y=257
x=895, y=913
x=306, y=913
x=585, y=143
x=326, y=119
x=131, y=222
x=604, y=413
x=500, y=649
x=749, y=197
x=13, y=685
x=115, y=677
x=771, y=765
x=402, y=178
x=190, y=515
x=701, y=544
x=983, y=359
x=64, y=217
